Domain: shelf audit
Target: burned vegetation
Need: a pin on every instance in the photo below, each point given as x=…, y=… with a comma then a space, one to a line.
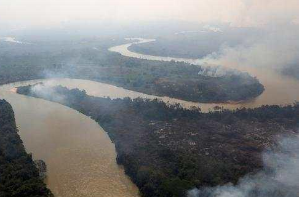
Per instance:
x=167, y=150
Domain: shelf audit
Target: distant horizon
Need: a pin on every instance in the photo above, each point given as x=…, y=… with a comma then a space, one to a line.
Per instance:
x=236, y=12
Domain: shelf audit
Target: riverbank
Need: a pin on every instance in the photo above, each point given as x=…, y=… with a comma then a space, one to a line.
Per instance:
x=279, y=89
x=19, y=176
x=167, y=150
x=79, y=155
x=172, y=79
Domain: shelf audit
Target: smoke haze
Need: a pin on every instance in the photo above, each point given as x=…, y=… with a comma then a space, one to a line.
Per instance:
x=280, y=176
x=277, y=48
x=278, y=20
x=235, y=12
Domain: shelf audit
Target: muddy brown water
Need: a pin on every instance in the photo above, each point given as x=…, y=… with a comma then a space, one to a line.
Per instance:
x=279, y=90
x=79, y=154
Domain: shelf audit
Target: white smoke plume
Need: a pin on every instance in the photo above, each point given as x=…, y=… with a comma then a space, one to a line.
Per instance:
x=279, y=178
x=46, y=90
x=12, y=40
x=277, y=49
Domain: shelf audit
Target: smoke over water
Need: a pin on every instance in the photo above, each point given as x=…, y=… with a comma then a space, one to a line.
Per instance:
x=279, y=178
x=276, y=48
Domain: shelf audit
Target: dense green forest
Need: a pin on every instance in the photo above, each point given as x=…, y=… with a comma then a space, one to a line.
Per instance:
x=167, y=150
x=19, y=177
x=90, y=59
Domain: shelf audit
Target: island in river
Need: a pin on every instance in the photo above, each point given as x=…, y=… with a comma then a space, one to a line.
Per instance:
x=81, y=61
x=168, y=150
x=19, y=176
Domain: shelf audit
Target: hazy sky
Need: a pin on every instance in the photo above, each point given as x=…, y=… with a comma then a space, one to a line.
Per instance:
x=237, y=12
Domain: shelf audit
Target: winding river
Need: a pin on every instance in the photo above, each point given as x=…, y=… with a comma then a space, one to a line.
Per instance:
x=279, y=90
x=79, y=154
